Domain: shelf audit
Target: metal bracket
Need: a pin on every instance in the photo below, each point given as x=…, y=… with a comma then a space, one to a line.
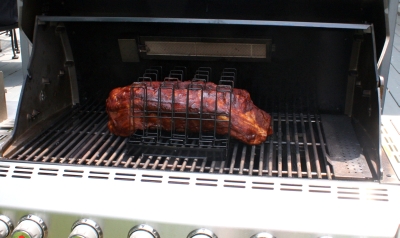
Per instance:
x=353, y=73
x=381, y=81
x=69, y=62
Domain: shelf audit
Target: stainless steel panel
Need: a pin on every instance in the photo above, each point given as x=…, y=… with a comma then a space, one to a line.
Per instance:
x=176, y=203
x=390, y=142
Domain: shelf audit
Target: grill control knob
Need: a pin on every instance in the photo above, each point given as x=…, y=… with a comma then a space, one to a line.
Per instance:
x=86, y=228
x=6, y=226
x=202, y=233
x=263, y=235
x=143, y=231
x=30, y=226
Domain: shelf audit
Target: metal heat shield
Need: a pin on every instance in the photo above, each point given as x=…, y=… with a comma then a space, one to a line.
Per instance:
x=255, y=49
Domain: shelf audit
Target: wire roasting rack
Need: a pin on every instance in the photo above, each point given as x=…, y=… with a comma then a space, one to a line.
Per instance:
x=176, y=120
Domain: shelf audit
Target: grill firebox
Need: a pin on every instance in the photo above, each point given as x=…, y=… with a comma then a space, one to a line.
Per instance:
x=325, y=109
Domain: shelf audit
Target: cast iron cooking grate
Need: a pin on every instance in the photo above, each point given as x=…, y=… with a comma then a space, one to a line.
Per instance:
x=81, y=136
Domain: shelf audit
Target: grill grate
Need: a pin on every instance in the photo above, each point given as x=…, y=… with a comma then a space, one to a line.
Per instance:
x=296, y=149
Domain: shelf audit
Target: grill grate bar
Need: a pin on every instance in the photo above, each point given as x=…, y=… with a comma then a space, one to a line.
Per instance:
x=184, y=165
x=203, y=165
x=307, y=155
x=253, y=151
x=279, y=146
x=148, y=162
x=129, y=161
x=164, y=165
x=221, y=169
x=176, y=161
x=296, y=139
x=261, y=165
x=242, y=159
x=156, y=162
x=212, y=167
x=137, y=162
x=233, y=158
x=324, y=154
x=316, y=157
x=288, y=152
x=120, y=158
x=270, y=159
x=193, y=165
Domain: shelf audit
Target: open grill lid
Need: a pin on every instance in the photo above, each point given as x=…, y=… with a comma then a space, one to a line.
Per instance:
x=328, y=11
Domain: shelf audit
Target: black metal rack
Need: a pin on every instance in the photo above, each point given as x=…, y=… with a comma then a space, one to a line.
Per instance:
x=171, y=126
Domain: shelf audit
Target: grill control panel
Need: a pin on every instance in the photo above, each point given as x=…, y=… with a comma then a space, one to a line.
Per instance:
x=86, y=228
x=30, y=226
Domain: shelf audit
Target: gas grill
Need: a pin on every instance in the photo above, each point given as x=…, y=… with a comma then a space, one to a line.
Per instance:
x=314, y=70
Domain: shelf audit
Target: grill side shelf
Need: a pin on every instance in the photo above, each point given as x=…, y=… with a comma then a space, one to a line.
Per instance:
x=345, y=152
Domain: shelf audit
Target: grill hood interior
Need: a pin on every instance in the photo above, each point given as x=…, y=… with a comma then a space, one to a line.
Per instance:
x=313, y=69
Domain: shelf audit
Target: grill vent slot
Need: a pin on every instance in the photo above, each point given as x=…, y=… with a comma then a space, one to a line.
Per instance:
x=179, y=180
x=377, y=194
x=4, y=170
x=48, y=171
x=125, y=176
x=319, y=189
x=22, y=172
x=234, y=184
x=291, y=187
x=207, y=182
x=348, y=193
x=334, y=191
x=263, y=185
x=73, y=173
x=98, y=175
x=152, y=178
